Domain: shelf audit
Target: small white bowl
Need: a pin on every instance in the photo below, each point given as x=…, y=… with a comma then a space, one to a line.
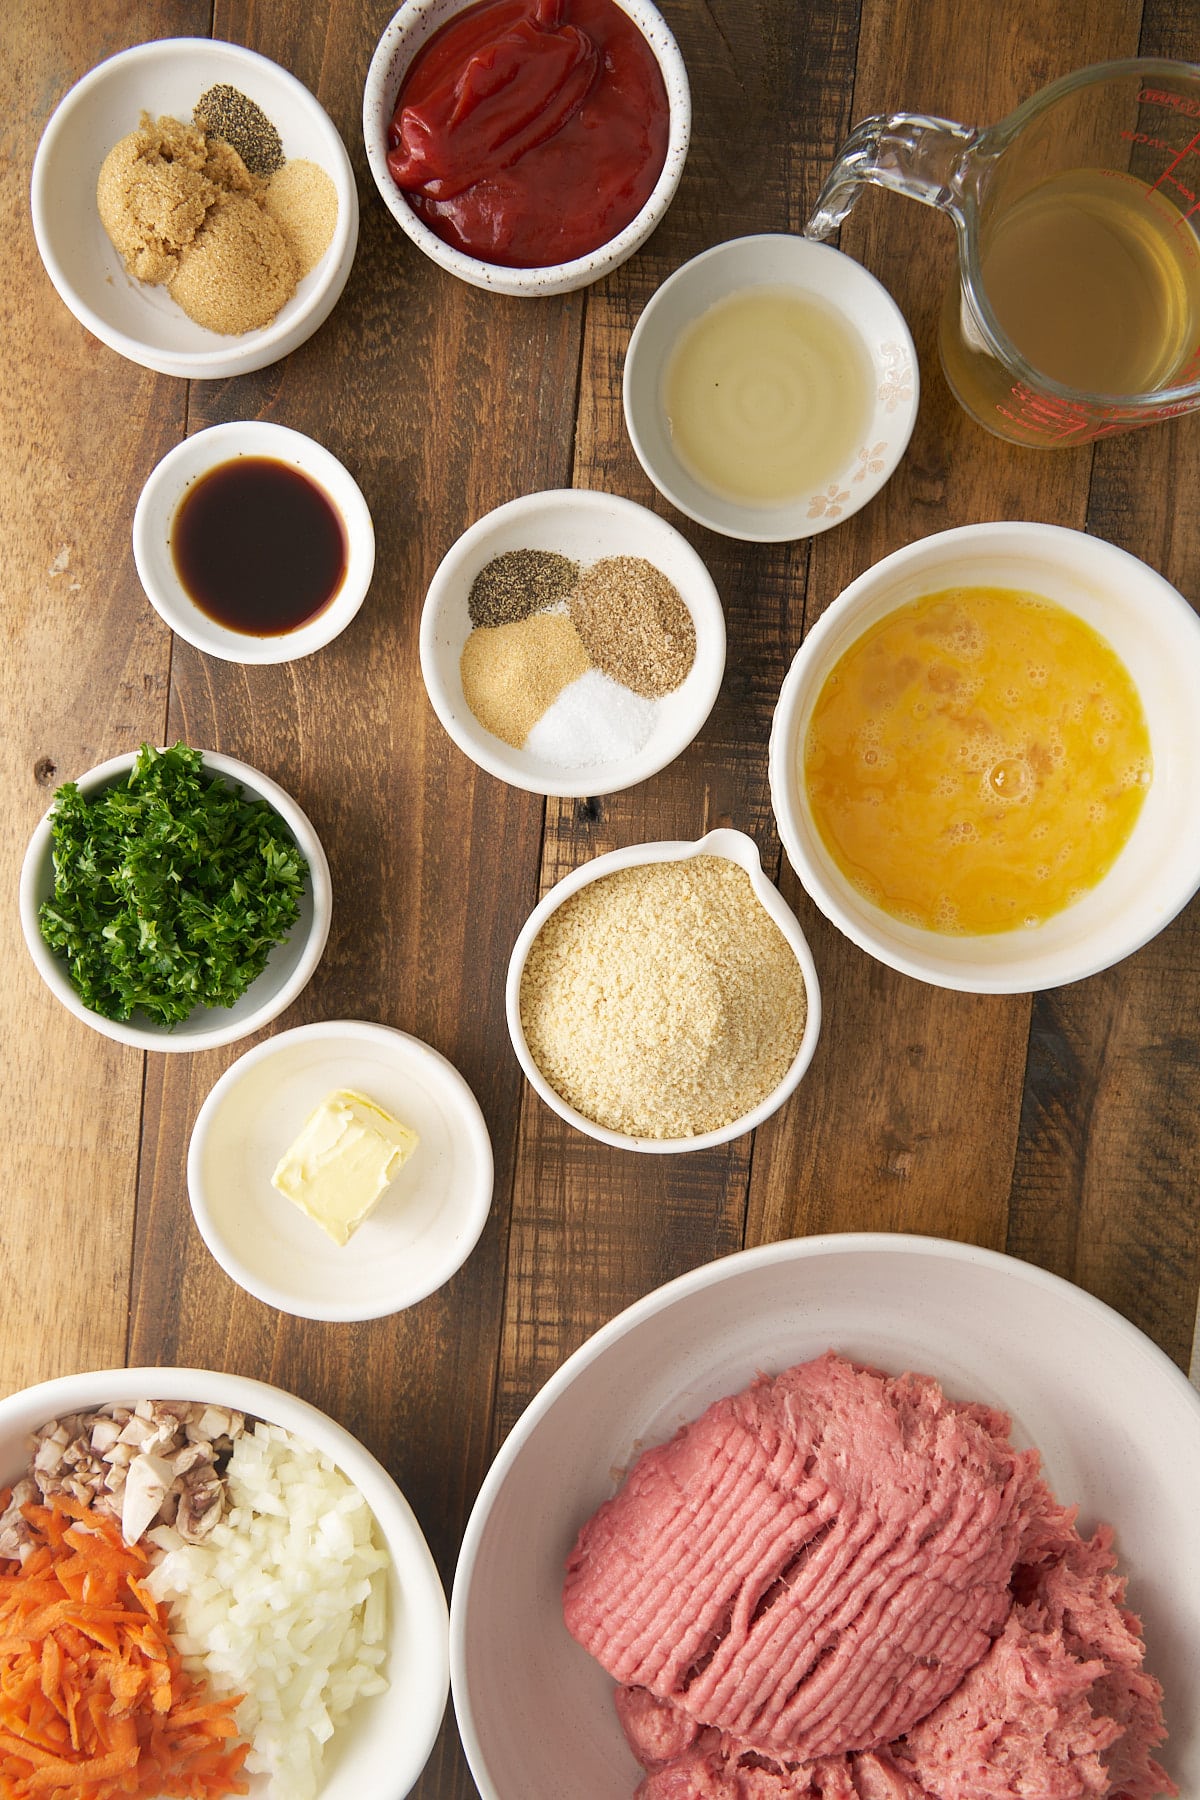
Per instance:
x=775, y=261
x=1156, y=635
x=425, y=1225
x=143, y=323
x=159, y=502
x=405, y=34
x=739, y=849
x=289, y=967
x=585, y=526
x=368, y=1758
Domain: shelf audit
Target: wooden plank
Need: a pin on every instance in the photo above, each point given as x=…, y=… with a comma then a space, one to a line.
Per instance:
x=86, y=663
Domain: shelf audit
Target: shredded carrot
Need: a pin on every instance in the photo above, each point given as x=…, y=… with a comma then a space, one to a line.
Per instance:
x=95, y=1703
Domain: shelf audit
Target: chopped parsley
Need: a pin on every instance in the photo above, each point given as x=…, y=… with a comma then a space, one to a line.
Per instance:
x=170, y=888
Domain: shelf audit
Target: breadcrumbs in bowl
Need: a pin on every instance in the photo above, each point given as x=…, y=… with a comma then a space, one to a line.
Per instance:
x=663, y=998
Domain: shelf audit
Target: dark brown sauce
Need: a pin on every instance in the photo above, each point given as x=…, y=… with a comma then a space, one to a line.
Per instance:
x=258, y=546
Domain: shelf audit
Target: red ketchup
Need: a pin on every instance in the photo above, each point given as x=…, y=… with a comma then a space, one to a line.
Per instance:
x=529, y=132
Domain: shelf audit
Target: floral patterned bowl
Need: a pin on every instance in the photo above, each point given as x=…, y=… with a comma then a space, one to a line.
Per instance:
x=878, y=340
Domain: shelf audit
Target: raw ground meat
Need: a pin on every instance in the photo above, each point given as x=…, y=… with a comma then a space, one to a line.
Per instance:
x=840, y=1585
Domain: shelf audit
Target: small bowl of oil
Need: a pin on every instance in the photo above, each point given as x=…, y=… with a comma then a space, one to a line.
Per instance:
x=770, y=388
x=254, y=543
x=985, y=757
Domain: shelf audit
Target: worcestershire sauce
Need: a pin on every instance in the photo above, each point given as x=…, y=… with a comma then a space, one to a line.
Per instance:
x=258, y=546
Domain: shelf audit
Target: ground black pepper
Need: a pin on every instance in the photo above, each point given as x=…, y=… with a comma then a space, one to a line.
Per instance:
x=517, y=583
x=225, y=112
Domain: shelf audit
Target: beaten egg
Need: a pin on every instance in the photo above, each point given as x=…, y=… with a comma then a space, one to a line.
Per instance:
x=977, y=760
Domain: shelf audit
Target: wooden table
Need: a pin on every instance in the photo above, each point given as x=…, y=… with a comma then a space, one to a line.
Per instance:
x=1064, y=1128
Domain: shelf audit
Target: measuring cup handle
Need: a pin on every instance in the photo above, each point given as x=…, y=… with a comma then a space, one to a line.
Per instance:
x=910, y=153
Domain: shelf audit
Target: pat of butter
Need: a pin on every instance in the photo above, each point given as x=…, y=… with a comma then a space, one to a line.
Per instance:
x=347, y=1153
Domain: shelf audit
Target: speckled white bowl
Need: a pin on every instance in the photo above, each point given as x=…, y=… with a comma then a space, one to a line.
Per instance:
x=154, y=519
x=774, y=260
x=403, y=36
x=739, y=849
x=290, y=965
x=143, y=323
x=368, y=1758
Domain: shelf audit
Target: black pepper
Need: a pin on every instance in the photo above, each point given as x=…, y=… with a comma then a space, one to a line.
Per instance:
x=225, y=112
x=517, y=583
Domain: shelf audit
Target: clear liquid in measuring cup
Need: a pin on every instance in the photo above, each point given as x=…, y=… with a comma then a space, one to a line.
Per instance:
x=1095, y=279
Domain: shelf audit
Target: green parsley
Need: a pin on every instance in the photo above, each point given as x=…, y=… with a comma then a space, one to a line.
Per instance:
x=170, y=888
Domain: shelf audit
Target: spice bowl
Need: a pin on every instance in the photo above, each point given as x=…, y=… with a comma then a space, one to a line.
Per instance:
x=404, y=37
x=141, y=322
x=569, y=727
x=788, y=418
x=265, y=540
x=289, y=967
x=661, y=981
x=1154, y=633
x=425, y=1224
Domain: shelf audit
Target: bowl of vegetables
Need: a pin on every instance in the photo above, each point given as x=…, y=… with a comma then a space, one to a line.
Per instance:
x=250, y=1603
x=175, y=899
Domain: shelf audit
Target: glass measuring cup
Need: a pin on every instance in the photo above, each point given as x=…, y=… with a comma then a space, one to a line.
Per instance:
x=1077, y=309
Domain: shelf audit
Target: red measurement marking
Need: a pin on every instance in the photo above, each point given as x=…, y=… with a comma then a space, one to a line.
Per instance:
x=1169, y=172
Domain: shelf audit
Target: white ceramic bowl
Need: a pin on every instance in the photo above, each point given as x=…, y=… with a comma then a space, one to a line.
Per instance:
x=739, y=849
x=1118, y=1427
x=382, y=1745
x=289, y=967
x=806, y=269
x=423, y=1228
x=154, y=517
x=1156, y=635
x=143, y=323
x=405, y=34
x=585, y=526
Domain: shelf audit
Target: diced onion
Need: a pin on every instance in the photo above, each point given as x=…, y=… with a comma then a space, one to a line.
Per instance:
x=285, y=1602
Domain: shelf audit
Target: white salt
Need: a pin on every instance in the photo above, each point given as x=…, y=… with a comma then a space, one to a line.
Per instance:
x=594, y=720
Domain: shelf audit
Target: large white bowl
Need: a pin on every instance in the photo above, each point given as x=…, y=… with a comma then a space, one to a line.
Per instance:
x=154, y=519
x=426, y=1223
x=584, y=525
x=143, y=323
x=383, y=1744
x=1118, y=1427
x=774, y=260
x=289, y=967
x=406, y=33
x=1156, y=635
x=738, y=848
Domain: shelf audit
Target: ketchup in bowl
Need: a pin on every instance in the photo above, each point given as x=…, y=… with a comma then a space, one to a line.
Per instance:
x=531, y=132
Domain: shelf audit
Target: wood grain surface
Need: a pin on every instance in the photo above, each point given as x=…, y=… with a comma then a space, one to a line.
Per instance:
x=1064, y=1128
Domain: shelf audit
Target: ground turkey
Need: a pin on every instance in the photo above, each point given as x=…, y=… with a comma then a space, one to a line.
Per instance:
x=839, y=1585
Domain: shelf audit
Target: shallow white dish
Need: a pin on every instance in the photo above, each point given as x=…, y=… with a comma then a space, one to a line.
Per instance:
x=160, y=500
x=1155, y=633
x=143, y=323
x=773, y=260
x=1118, y=1427
x=585, y=526
x=428, y=1219
x=382, y=1746
x=406, y=33
x=290, y=965
x=739, y=849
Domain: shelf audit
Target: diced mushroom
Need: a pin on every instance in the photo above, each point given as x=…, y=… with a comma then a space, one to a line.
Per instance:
x=201, y=1503
x=146, y=1486
x=15, y=1532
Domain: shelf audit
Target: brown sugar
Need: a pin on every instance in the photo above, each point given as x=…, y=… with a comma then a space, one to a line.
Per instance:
x=183, y=210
